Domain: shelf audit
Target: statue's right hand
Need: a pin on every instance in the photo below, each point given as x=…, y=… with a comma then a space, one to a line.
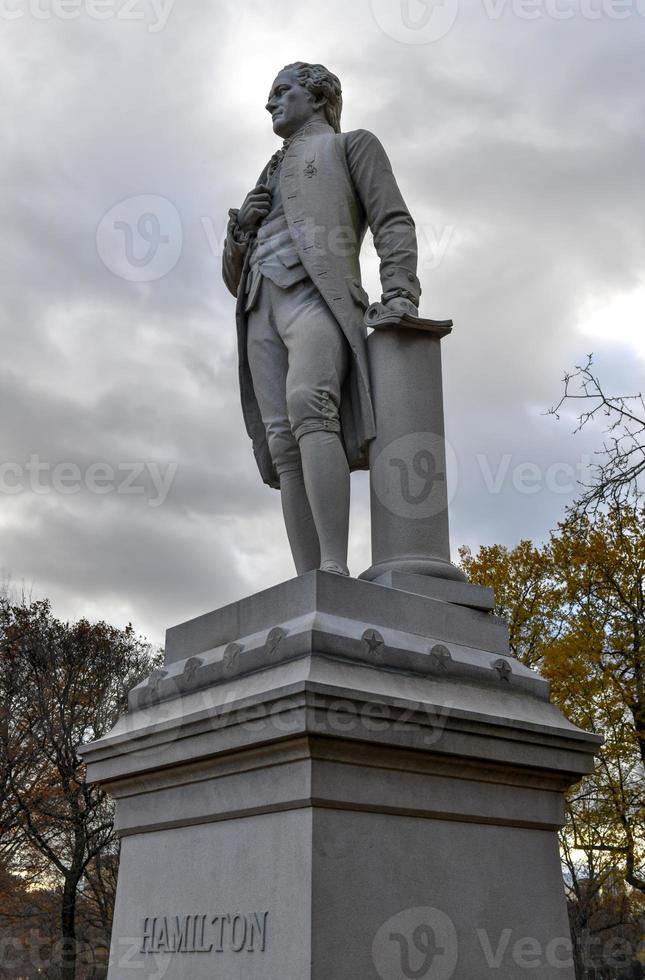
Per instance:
x=257, y=205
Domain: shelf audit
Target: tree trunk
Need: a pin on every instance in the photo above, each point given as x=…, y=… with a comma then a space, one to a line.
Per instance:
x=638, y=714
x=68, y=928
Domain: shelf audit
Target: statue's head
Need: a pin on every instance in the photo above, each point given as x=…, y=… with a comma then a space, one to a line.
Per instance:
x=302, y=92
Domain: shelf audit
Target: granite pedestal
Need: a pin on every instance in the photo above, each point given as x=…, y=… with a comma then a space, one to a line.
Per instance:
x=341, y=780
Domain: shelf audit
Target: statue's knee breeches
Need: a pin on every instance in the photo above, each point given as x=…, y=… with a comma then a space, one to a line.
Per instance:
x=312, y=408
x=309, y=409
x=298, y=358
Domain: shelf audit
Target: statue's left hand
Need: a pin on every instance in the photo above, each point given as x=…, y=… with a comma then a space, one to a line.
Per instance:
x=400, y=305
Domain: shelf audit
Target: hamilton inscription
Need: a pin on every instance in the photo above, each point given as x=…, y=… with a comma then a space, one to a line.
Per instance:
x=205, y=933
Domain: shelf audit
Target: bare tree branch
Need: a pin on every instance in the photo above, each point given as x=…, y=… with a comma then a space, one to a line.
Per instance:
x=618, y=475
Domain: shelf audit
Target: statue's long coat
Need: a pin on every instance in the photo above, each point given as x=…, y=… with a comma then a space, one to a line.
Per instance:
x=333, y=186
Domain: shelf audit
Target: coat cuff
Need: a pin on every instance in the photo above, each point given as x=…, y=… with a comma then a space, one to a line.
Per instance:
x=397, y=282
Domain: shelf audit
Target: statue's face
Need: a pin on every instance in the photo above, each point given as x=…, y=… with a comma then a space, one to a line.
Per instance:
x=290, y=104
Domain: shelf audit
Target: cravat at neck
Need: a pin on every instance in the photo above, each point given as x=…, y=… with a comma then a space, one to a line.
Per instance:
x=278, y=156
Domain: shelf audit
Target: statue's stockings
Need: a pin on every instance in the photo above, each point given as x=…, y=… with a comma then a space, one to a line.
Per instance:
x=315, y=503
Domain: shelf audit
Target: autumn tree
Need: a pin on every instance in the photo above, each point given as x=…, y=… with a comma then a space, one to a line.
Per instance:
x=576, y=612
x=61, y=684
x=28, y=928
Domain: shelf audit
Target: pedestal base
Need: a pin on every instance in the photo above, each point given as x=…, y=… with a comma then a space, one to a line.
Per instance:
x=432, y=567
x=333, y=780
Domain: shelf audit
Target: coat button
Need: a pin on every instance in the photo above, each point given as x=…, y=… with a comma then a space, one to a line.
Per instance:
x=410, y=277
x=390, y=273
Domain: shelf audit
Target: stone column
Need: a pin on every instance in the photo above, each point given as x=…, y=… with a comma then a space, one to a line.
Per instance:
x=408, y=486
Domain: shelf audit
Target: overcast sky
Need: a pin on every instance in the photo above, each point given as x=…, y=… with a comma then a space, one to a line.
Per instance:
x=516, y=133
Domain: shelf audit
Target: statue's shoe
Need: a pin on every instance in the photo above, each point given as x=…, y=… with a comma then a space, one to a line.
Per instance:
x=334, y=567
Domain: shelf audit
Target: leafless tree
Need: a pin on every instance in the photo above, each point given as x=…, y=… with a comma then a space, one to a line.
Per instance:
x=618, y=475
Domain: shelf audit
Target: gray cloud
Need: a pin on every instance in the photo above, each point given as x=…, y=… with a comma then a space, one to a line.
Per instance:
x=519, y=147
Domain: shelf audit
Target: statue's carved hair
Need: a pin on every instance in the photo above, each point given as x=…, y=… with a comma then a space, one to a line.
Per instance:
x=322, y=84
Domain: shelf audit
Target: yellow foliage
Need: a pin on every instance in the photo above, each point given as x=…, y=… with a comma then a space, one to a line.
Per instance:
x=575, y=607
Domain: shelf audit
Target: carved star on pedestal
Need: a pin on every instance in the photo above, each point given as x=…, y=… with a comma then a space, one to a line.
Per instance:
x=191, y=667
x=440, y=656
x=231, y=653
x=503, y=668
x=374, y=642
x=273, y=641
x=154, y=681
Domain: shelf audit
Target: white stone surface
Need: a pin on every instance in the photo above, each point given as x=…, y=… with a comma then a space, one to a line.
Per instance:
x=326, y=766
